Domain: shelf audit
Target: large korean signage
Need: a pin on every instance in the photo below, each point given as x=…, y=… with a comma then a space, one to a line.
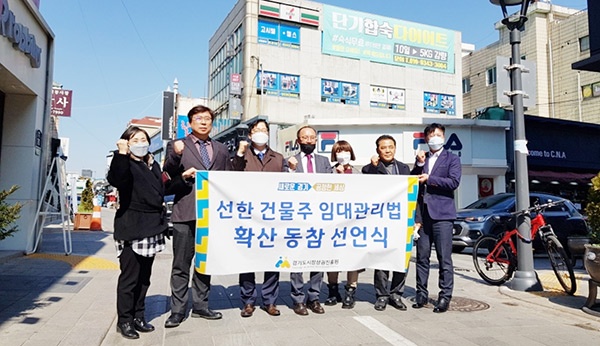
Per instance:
x=61, y=102
x=386, y=40
x=292, y=222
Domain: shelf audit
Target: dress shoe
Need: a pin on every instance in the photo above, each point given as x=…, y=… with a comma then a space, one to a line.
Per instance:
x=381, y=303
x=420, y=302
x=127, y=330
x=442, y=305
x=248, y=310
x=141, y=325
x=398, y=304
x=174, y=320
x=315, y=307
x=207, y=314
x=300, y=309
x=271, y=309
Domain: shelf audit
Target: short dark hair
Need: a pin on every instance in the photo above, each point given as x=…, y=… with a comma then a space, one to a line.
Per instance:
x=200, y=109
x=305, y=127
x=431, y=128
x=132, y=131
x=341, y=146
x=254, y=124
x=383, y=137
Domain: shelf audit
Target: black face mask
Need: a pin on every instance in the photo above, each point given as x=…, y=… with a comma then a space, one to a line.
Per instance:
x=307, y=148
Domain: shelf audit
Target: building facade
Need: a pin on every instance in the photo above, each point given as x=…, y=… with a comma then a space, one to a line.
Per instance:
x=352, y=75
x=564, y=109
x=26, y=51
x=554, y=38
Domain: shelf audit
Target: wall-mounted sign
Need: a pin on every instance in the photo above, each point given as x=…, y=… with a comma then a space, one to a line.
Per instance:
x=386, y=40
x=288, y=13
x=235, y=84
x=439, y=103
x=278, y=34
x=338, y=91
x=278, y=84
x=61, y=102
x=19, y=35
x=390, y=98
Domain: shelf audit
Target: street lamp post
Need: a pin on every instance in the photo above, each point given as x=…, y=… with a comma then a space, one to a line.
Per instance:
x=525, y=278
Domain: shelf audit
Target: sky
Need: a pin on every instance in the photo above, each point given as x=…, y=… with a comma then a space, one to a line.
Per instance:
x=118, y=56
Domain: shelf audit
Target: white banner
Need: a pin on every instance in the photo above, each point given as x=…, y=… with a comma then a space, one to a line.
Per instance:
x=292, y=222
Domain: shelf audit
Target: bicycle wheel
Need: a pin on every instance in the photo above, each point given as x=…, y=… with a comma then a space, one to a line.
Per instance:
x=496, y=268
x=563, y=269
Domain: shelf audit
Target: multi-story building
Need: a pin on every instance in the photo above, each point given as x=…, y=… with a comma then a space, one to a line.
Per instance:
x=564, y=103
x=27, y=131
x=353, y=76
x=554, y=38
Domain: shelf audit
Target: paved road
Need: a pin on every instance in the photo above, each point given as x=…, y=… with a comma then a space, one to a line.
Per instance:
x=52, y=299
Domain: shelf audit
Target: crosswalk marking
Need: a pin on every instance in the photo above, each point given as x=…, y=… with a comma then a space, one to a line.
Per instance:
x=386, y=333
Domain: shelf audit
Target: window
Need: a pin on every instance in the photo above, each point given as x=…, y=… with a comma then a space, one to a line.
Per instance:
x=466, y=85
x=490, y=76
x=584, y=43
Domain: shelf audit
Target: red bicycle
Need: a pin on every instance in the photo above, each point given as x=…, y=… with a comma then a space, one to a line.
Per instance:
x=495, y=259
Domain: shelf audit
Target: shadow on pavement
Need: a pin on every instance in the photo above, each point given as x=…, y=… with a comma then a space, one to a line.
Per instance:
x=36, y=281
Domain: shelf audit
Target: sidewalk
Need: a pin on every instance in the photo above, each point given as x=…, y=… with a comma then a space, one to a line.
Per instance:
x=52, y=299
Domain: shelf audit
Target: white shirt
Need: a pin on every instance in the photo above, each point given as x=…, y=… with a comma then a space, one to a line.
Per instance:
x=432, y=159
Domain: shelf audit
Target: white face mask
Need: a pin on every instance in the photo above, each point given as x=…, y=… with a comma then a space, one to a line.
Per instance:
x=260, y=138
x=435, y=143
x=343, y=157
x=139, y=150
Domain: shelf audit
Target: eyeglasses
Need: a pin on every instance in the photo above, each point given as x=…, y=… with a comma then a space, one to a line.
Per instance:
x=308, y=138
x=202, y=119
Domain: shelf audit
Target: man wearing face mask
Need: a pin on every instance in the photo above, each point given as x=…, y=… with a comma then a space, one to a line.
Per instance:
x=307, y=162
x=258, y=157
x=440, y=173
x=385, y=163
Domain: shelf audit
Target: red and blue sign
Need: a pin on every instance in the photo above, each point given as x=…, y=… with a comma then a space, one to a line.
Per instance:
x=326, y=139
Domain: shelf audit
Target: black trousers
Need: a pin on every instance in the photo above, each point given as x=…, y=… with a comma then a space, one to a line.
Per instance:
x=184, y=242
x=380, y=281
x=438, y=232
x=133, y=285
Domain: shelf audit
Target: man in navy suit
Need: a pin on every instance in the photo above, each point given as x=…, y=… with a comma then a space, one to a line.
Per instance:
x=307, y=162
x=440, y=173
x=196, y=151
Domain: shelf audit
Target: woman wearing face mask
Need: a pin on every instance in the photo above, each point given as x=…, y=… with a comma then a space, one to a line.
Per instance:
x=138, y=226
x=342, y=153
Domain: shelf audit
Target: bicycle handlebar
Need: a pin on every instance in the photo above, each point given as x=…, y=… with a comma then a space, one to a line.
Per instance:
x=538, y=207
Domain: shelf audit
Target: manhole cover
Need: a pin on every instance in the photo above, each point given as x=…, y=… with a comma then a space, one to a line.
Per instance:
x=460, y=304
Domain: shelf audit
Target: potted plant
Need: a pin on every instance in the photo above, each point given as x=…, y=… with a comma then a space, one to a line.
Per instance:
x=592, y=250
x=83, y=216
x=8, y=213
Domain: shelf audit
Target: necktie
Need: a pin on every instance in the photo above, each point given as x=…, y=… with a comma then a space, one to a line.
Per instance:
x=309, y=169
x=261, y=155
x=204, y=154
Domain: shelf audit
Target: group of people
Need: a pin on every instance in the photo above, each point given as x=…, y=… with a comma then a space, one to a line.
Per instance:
x=140, y=224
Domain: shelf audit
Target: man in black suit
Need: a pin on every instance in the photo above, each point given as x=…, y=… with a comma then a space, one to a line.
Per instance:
x=384, y=163
x=198, y=151
x=307, y=162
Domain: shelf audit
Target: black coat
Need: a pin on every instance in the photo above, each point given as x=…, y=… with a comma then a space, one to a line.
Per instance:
x=141, y=195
